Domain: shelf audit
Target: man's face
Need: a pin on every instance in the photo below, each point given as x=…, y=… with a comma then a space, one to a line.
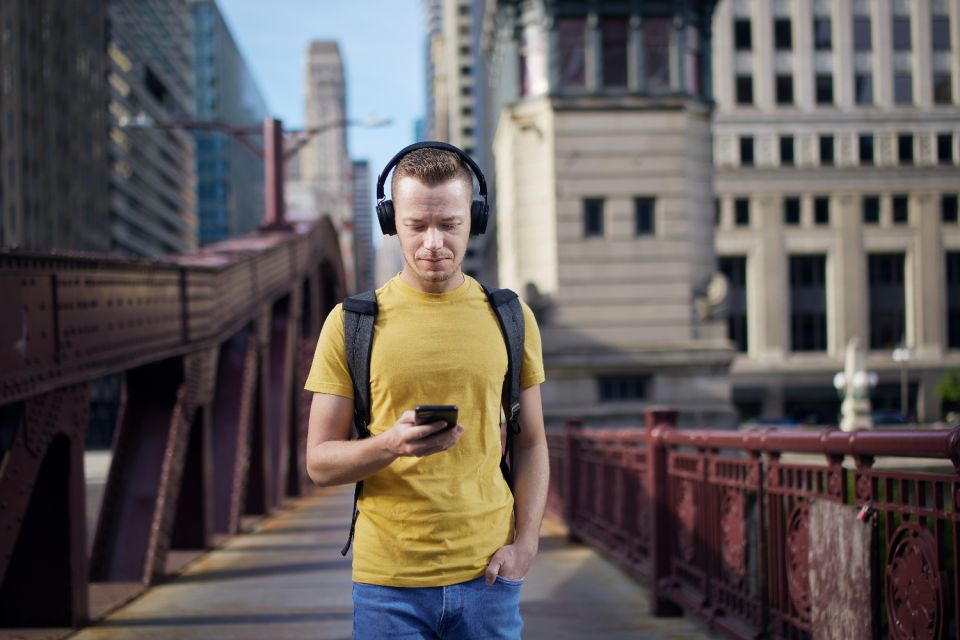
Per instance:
x=433, y=225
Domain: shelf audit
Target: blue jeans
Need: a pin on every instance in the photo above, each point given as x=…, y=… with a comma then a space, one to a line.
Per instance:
x=466, y=610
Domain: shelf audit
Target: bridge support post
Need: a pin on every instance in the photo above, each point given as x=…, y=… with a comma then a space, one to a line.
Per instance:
x=43, y=549
x=663, y=528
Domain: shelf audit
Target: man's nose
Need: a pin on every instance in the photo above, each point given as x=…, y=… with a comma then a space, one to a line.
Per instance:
x=433, y=239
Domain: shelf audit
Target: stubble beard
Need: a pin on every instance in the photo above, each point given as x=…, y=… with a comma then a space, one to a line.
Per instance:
x=433, y=276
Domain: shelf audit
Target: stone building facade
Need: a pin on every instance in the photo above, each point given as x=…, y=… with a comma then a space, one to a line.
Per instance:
x=836, y=152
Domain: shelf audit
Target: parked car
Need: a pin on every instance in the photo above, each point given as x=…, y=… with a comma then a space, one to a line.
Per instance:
x=781, y=422
x=888, y=418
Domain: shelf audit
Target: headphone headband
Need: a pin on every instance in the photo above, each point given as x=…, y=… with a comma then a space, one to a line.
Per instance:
x=431, y=144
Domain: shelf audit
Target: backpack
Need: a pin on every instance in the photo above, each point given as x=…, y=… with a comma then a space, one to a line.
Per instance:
x=359, y=318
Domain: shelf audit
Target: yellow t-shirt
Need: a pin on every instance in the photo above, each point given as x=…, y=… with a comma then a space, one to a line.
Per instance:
x=435, y=520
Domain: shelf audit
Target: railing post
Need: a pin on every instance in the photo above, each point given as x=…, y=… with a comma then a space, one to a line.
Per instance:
x=571, y=428
x=663, y=528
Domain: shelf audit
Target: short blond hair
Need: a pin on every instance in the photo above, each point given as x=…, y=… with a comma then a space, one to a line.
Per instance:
x=432, y=167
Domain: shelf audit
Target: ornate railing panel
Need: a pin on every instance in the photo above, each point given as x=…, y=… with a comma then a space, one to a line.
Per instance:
x=726, y=534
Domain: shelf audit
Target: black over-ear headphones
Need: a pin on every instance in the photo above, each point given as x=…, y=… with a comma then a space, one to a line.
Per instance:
x=478, y=209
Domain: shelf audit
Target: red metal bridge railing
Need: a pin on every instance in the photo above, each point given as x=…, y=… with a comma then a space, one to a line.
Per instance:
x=212, y=349
x=737, y=527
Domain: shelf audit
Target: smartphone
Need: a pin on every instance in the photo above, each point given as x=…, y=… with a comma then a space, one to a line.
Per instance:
x=427, y=413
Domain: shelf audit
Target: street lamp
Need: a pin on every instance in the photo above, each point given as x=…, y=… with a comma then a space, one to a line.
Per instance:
x=272, y=152
x=903, y=354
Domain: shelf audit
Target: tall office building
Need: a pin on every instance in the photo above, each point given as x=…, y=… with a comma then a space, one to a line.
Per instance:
x=836, y=134
x=434, y=54
x=325, y=162
x=605, y=203
x=230, y=197
x=364, y=253
x=456, y=103
x=153, y=184
x=323, y=186
x=54, y=177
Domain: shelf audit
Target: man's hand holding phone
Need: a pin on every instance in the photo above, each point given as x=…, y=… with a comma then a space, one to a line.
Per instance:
x=427, y=430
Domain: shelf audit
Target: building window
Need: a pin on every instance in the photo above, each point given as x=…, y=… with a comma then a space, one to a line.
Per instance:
x=745, y=89
x=782, y=34
x=656, y=52
x=786, y=151
x=808, y=303
x=785, y=89
x=871, y=209
x=862, y=35
x=822, y=36
x=644, y=211
x=945, y=148
x=466, y=90
x=866, y=148
x=863, y=88
x=821, y=210
x=953, y=299
x=746, y=151
x=887, y=299
x=905, y=148
x=826, y=150
x=741, y=212
x=742, y=39
x=621, y=388
x=942, y=89
x=614, y=34
x=948, y=208
x=735, y=270
x=593, y=217
x=903, y=87
x=791, y=211
x=901, y=33
x=901, y=209
x=824, y=88
x=570, y=32
x=940, y=33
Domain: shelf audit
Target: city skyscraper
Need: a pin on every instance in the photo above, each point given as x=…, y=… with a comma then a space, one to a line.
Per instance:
x=365, y=256
x=324, y=162
x=153, y=185
x=230, y=197
x=321, y=185
x=54, y=176
x=457, y=104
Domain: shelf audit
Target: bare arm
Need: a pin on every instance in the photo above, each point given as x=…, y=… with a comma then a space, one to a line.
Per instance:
x=531, y=479
x=332, y=458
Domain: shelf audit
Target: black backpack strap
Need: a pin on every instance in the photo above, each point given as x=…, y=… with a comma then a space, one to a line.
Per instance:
x=359, y=318
x=506, y=305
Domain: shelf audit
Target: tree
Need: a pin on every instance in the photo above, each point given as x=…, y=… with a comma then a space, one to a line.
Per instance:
x=948, y=390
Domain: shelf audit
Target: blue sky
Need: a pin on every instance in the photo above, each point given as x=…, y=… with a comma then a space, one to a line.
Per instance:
x=381, y=42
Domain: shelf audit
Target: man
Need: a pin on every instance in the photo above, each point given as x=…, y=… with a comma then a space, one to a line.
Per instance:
x=442, y=545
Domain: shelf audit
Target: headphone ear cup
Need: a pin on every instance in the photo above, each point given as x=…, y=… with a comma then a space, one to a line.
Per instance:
x=388, y=223
x=478, y=217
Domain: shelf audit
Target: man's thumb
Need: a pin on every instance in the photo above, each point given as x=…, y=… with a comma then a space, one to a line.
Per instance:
x=493, y=570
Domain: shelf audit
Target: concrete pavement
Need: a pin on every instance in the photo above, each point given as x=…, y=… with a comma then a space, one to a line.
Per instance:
x=287, y=580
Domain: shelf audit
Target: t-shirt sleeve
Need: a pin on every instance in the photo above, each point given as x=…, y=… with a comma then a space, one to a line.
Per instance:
x=329, y=372
x=531, y=372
